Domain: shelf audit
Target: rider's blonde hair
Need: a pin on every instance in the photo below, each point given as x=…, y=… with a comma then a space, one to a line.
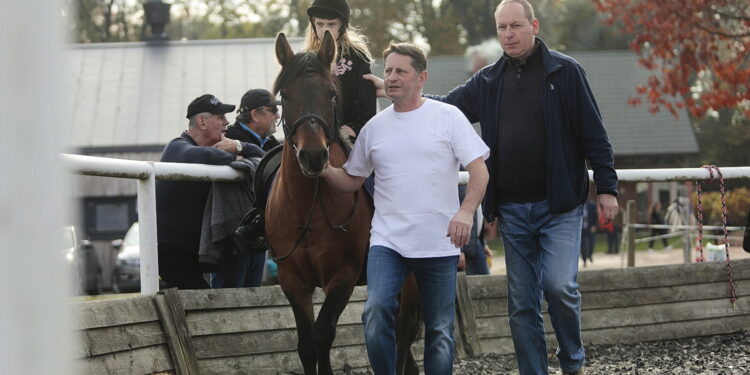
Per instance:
x=349, y=39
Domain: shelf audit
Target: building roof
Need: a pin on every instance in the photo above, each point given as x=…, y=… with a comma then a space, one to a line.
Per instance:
x=130, y=95
x=135, y=94
x=613, y=76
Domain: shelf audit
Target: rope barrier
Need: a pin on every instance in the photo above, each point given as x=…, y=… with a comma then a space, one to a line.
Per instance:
x=711, y=169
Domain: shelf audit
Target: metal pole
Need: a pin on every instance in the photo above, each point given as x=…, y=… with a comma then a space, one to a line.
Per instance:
x=147, y=234
x=630, y=211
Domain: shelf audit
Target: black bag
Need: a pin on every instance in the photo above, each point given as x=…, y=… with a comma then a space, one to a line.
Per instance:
x=250, y=234
x=746, y=240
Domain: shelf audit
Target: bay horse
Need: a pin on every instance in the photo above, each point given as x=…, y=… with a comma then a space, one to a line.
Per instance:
x=318, y=235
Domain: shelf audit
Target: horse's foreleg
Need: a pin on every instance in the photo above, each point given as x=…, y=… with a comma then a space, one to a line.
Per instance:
x=304, y=317
x=325, y=326
x=407, y=327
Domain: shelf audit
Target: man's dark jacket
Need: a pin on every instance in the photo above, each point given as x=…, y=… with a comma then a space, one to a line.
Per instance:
x=180, y=204
x=235, y=131
x=574, y=127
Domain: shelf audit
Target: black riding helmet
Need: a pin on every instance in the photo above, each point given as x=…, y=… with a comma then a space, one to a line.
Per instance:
x=329, y=10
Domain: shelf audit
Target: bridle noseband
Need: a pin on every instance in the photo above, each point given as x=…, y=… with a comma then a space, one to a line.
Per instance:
x=330, y=131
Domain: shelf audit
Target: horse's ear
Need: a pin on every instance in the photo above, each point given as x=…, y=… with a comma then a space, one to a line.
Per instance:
x=284, y=52
x=327, y=50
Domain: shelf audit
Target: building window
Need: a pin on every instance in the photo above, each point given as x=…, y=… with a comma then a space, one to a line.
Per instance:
x=108, y=218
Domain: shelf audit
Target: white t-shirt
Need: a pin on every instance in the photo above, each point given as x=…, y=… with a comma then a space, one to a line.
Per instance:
x=415, y=156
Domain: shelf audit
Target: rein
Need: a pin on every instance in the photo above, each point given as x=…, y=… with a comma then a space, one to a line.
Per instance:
x=306, y=227
x=330, y=138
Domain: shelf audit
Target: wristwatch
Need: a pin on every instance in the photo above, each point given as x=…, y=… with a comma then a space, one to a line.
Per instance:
x=238, y=146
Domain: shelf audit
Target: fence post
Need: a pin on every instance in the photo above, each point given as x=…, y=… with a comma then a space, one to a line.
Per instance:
x=630, y=219
x=687, y=249
x=147, y=233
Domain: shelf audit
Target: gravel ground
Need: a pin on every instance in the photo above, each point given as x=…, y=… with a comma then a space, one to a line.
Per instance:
x=712, y=355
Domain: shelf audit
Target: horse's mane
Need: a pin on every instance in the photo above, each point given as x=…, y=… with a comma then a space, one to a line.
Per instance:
x=303, y=62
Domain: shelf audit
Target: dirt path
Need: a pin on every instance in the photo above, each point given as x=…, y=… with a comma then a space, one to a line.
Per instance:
x=642, y=258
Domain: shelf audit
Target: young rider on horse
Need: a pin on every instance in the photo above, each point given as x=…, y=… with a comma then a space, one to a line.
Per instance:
x=351, y=62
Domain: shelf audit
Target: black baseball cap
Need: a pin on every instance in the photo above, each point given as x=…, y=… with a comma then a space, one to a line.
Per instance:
x=208, y=103
x=257, y=98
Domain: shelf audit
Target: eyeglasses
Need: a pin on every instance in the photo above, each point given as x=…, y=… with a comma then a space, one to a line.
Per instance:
x=273, y=110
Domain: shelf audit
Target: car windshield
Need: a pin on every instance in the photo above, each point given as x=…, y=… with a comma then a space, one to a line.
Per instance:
x=131, y=238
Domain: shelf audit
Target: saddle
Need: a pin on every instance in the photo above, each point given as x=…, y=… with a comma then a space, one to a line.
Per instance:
x=250, y=234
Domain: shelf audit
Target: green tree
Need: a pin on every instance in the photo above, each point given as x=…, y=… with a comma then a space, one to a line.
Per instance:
x=99, y=21
x=724, y=138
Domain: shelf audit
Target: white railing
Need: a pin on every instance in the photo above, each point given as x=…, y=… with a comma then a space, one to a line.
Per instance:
x=148, y=172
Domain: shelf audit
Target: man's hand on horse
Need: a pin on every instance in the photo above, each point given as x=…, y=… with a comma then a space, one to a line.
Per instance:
x=606, y=204
x=379, y=85
x=348, y=131
x=459, y=228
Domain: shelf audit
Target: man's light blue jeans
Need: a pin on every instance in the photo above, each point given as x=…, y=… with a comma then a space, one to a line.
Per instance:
x=541, y=257
x=436, y=280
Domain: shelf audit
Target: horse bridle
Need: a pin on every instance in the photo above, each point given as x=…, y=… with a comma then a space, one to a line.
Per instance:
x=330, y=133
x=329, y=130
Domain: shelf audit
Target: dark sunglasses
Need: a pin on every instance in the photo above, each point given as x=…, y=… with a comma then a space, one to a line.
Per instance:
x=273, y=110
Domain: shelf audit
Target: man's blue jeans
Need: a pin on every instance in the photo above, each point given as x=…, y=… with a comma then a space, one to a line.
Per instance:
x=541, y=257
x=436, y=280
x=240, y=270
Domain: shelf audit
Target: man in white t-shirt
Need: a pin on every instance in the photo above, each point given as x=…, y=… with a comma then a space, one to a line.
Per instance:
x=414, y=147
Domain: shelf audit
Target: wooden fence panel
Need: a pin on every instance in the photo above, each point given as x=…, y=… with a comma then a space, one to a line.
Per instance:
x=252, y=330
x=122, y=336
x=630, y=305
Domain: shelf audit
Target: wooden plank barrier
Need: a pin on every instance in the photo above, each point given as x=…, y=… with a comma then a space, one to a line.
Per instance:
x=122, y=336
x=252, y=330
x=630, y=305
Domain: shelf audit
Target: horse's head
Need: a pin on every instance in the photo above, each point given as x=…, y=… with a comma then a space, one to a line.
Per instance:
x=308, y=94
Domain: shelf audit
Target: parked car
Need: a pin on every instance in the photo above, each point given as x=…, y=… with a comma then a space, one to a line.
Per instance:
x=127, y=273
x=83, y=262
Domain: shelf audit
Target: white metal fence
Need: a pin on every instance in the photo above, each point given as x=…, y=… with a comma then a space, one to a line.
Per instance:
x=148, y=172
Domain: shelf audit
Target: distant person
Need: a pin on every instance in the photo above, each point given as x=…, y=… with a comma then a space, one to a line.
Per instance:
x=415, y=148
x=353, y=59
x=608, y=227
x=256, y=122
x=656, y=217
x=180, y=204
x=588, y=231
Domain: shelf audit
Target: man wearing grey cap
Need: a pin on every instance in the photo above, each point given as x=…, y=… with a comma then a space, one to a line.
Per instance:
x=256, y=119
x=180, y=204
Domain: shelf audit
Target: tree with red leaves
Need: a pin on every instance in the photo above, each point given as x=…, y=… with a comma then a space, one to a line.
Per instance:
x=698, y=49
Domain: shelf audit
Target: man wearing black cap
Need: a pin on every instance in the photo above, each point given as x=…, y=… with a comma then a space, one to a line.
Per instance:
x=256, y=119
x=180, y=204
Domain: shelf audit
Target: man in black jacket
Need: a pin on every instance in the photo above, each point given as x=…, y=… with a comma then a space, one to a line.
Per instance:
x=256, y=119
x=255, y=123
x=180, y=204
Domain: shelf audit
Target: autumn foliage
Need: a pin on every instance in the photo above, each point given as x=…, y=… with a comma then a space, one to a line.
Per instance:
x=699, y=51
